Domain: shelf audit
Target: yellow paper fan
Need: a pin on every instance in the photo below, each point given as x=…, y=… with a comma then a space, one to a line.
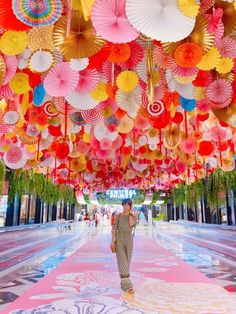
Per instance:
x=13, y=43
x=184, y=79
x=86, y=8
x=127, y=81
x=199, y=93
x=209, y=60
x=20, y=83
x=189, y=7
x=225, y=65
x=235, y=4
x=100, y=93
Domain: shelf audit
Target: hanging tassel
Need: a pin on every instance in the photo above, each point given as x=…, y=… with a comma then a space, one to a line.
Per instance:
x=38, y=146
x=186, y=124
x=149, y=64
x=221, y=161
x=69, y=16
x=66, y=119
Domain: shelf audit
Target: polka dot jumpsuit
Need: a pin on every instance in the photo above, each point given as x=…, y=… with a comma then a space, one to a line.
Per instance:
x=124, y=248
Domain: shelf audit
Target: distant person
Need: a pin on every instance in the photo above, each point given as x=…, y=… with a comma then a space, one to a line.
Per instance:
x=113, y=219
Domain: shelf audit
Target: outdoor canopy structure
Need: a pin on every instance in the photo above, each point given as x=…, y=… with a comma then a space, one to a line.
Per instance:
x=118, y=93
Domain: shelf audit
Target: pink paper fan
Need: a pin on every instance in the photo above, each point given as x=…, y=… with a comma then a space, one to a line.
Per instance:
x=117, y=143
x=61, y=105
x=105, y=144
x=110, y=71
x=11, y=66
x=83, y=147
x=219, y=91
x=102, y=154
x=88, y=81
x=108, y=104
x=61, y=80
x=203, y=105
x=227, y=47
x=110, y=21
x=218, y=133
x=14, y=155
x=180, y=71
x=135, y=58
x=189, y=146
x=6, y=92
x=5, y=129
x=92, y=116
x=220, y=105
x=162, y=59
x=219, y=33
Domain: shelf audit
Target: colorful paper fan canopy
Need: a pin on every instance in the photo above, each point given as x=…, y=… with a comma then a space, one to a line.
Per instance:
x=110, y=21
x=37, y=12
x=60, y=80
x=143, y=16
x=82, y=41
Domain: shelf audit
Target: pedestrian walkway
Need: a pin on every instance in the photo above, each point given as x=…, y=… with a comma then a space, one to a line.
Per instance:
x=88, y=282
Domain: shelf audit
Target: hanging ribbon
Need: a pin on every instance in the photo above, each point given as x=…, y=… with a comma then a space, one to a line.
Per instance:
x=38, y=147
x=55, y=169
x=160, y=139
x=149, y=64
x=221, y=161
x=66, y=118
x=69, y=16
x=186, y=124
x=113, y=74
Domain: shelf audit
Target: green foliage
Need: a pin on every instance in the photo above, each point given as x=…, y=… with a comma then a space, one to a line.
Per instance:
x=2, y=176
x=160, y=217
x=27, y=182
x=217, y=183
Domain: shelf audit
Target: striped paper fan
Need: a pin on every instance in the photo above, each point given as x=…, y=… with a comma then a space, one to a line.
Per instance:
x=92, y=116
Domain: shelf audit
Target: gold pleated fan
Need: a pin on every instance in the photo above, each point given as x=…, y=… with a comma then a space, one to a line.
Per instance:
x=81, y=42
x=171, y=137
x=229, y=15
x=227, y=114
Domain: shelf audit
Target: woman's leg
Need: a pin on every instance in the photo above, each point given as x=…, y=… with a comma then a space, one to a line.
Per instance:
x=124, y=253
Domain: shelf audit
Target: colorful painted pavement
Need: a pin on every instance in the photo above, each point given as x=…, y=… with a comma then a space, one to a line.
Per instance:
x=88, y=282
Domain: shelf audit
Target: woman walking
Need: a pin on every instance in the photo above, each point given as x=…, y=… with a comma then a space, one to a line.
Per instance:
x=122, y=238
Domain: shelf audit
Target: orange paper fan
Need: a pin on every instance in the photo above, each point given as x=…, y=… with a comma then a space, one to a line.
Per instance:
x=188, y=55
x=119, y=53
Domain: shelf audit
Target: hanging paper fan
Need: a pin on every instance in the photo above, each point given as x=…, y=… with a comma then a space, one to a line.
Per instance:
x=203, y=79
x=77, y=119
x=11, y=66
x=92, y=116
x=181, y=71
x=79, y=64
x=209, y=59
x=143, y=16
x=83, y=42
x=101, y=131
x=206, y=5
x=218, y=133
x=41, y=61
x=20, y=83
x=117, y=143
x=127, y=80
x=61, y=105
x=50, y=109
x=105, y=144
x=227, y=47
x=60, y=80
x=39, y=94
x=13, y=42
x=126, y=125
x=110, y=71
x=136, y=56
x=187, y=104
x=130, y=102
x=14, y=158
x=189, y=7
x=156, y=108
x=219, y=90
x=189, y=146
x=81, y=101
x=41, y=38
x=32, y=130
x=162, y=59
x=110, y=21
x=225, y=65
x=7, y=18
x=37, y=13
x=11, y=117
x=88, y=81
x=188, y=55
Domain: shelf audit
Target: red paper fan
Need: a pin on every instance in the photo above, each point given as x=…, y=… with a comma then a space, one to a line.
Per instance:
x=88, y=81
x=220, y=105
x=105, y=144
x=218, y=133
x=14, y=154
x=219, y=91
x=156, y=108
x=110, y=71
x=203, y=79
x=50, y=109
x=160, y=121
x=8, y=19
x=206, y=5
x=117, y=143
x=92, y=116
x=96, y=61
x=6, y=92
x=227, y=47
x=180, y=71
x=136, y=56
x=162, y=59
x=205, y=148
x=203, y=105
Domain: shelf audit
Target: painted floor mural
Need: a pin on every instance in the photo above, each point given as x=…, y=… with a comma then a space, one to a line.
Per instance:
x=88, y=282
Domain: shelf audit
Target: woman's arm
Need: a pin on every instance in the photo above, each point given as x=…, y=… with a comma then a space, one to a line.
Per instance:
x=132, y=220
x=113, y=230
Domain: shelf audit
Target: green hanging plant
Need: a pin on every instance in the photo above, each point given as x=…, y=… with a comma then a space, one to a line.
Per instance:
x=2, y=176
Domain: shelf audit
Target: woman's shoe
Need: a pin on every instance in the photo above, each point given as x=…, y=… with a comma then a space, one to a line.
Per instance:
x=131, y=291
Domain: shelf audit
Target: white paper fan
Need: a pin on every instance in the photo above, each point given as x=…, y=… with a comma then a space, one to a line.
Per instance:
x=159, y=19
x=41, y=61
x=81, y=101
x=79, y=64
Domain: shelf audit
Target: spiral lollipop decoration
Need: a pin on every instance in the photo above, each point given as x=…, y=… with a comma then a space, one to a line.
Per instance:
x=156, y=108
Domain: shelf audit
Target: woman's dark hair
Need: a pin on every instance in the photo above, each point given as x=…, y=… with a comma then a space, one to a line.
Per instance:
x=127, y=201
